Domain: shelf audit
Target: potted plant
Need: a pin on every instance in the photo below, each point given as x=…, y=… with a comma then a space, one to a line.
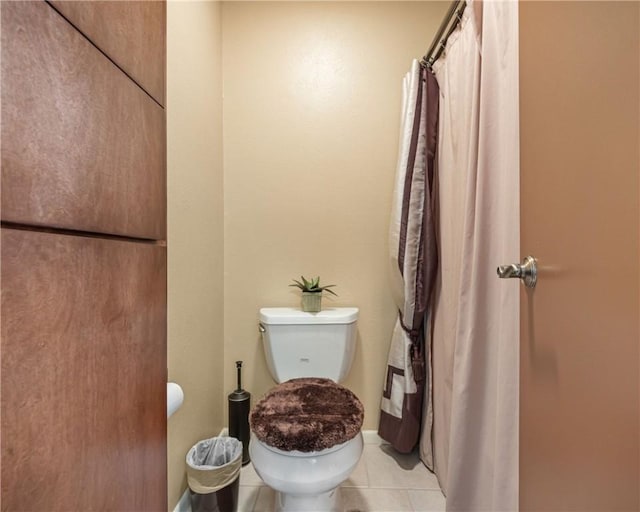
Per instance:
x=312, y=293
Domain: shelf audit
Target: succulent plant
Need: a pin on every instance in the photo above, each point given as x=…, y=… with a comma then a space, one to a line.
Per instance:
x=313, y=286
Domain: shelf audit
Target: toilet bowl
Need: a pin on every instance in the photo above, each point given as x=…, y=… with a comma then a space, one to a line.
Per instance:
x=306, y=481
x=306, y=432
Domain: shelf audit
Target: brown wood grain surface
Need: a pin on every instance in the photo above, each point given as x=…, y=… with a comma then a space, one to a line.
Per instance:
x=83, y=147
x=83, y=374
x=131, y=33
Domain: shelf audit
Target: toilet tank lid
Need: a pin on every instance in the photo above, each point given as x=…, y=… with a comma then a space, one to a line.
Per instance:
x=293, y=316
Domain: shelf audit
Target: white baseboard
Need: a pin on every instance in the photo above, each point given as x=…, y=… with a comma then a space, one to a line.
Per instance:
x=372, y=437
x=184, y=504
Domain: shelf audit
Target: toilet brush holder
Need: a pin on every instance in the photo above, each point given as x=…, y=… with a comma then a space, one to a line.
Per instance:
x=239, y=405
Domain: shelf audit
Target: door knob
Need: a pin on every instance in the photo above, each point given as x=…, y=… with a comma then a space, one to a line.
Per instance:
x=527, y=271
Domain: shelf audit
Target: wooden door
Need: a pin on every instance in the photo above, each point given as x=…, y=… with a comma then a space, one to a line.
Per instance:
x=579, y=87
x=131, y=33
x=83, y=373
x=83, y=267
x=83, y=147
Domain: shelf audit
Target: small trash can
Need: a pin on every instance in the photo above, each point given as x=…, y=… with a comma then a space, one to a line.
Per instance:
x=213, y=474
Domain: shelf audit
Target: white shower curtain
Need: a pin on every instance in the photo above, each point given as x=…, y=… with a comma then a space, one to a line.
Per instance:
x=476, y=315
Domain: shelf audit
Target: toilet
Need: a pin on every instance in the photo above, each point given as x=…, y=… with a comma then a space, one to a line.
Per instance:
x=306, y=434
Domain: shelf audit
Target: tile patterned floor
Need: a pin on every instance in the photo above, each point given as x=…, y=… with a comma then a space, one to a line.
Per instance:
x=383, y=481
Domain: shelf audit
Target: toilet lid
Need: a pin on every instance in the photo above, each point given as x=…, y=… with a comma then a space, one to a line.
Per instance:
x=307, y=414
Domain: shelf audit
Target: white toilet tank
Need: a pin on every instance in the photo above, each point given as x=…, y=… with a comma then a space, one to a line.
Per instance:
x=299, y=344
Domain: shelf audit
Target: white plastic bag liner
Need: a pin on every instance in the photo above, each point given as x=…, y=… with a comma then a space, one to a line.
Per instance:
x=213, y=464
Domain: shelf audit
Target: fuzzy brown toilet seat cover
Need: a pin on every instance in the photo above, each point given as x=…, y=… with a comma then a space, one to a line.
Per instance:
x=307, y=414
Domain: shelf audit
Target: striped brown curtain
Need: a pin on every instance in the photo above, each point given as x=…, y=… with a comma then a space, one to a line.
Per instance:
x=414, y=262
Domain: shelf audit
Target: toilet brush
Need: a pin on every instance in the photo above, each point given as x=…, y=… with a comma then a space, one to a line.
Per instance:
x=239, y=404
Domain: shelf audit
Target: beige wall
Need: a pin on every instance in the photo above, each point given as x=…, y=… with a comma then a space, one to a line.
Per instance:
x=311, y=113
x=195, y=227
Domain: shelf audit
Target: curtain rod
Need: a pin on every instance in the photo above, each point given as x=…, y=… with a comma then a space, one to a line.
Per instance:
x=451, y=20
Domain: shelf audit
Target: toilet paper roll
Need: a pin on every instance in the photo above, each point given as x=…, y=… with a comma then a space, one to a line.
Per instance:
x=175, y=397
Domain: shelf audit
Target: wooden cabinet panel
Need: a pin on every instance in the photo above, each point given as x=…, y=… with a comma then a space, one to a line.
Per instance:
x=83, y=147
x=83, y=365
x=131, y=33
